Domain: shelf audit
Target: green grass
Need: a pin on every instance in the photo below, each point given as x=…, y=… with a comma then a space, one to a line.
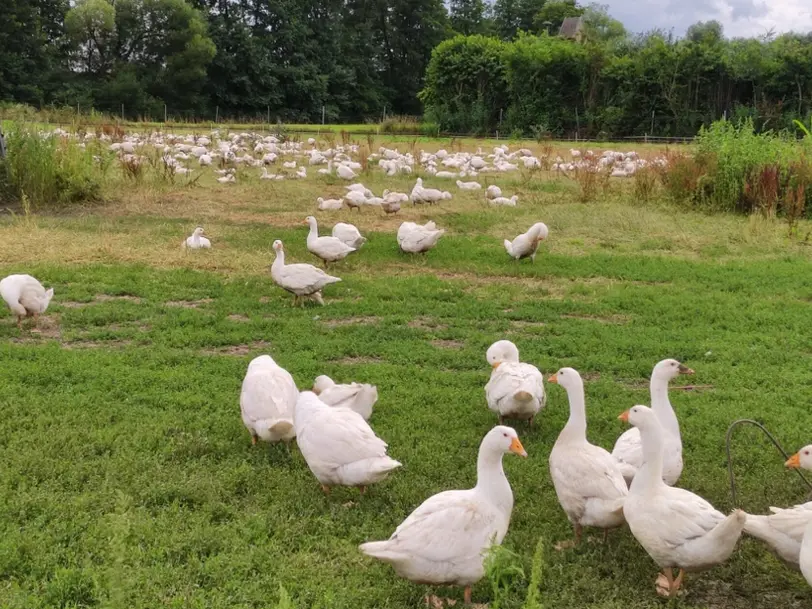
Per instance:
x=128, y=479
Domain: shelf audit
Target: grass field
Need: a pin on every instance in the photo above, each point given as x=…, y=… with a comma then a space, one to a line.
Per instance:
x=128, y=479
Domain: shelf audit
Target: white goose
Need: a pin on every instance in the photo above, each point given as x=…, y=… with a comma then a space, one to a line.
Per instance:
x=197, y=240
x=25, y=296
x=515, y=390
x=329, y=204
x=628, y=451
x=676, y=527
x=444, y=540
x=505, y=202
x=345, y=173
x=355, y=396
x=526, y=244
x=268, y=401
x=415, y=238
x=784, y=529
x=329, y=249
x=587, y=479
x=339, y=445
x=493, y=192
x=349, y=235
x=299, y=279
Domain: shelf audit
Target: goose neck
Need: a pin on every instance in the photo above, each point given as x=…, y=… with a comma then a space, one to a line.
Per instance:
x=491, y=479
x=576, y=425
x=650, y=476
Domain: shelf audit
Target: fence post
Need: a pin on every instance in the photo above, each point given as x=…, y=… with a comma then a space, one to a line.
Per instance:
x=652, y=122
x=577, y=124
x=122, y=111
x=322, y=115
x=165, y=113
x=217, y=115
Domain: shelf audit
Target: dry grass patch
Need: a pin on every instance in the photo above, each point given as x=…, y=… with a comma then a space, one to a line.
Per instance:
x=238, y=350
x=238, y=317
x=350, y=321
x=604, y=319
x=189, y=304
x=358, y=359
x=448, y=344
x=96, y=344
x=426, y=323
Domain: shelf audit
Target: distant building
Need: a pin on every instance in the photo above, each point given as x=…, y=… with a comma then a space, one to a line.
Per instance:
x=572, y=28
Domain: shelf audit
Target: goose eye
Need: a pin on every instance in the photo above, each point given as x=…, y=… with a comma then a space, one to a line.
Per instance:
x=806, y=452
x=504, y=434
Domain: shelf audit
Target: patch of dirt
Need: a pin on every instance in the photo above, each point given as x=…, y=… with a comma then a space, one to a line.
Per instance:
x=590, y=376
x=108, y=298
x=237, y=350
x=96, y=344
x=520, y=324
x=188, y=304
x=604, y=319
x=70, y=304
x=426, y=323
x=350, y=321
x=358, y=360
x=448, y=344
x=264, y=299
x=238, y=317
x=642, y=384
x=115, y=327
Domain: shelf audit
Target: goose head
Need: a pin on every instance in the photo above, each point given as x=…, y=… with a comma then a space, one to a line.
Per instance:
x=801, y=459
x=503, y=439
x=568, y=378
x=322, y=383
x=669, y=369
x=500, y=352
x=639, y=416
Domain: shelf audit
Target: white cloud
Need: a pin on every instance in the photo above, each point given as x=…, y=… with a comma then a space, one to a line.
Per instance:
x=738, y=17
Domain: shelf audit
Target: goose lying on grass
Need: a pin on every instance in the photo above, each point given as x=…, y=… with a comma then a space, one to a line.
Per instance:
x=349, y=235
x=360, y=397
x=415, y=238
x=197, y=240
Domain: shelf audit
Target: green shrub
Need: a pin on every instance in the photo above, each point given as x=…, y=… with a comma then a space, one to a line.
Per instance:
x=50, y=170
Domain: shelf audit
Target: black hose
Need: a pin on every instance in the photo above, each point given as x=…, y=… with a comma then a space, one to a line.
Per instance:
x=730, y=457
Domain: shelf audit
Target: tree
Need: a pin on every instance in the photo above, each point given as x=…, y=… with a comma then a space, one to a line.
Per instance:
x=553, y=13
x=599, y=26
x=512, y=16
x=468, y=16
x=137, y=52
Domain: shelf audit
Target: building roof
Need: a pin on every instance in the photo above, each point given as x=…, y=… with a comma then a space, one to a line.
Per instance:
x=571, y=27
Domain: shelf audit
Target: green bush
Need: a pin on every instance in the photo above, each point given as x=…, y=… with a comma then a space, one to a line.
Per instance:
x=50, y=170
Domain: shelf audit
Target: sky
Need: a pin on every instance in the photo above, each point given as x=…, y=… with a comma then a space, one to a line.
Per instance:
x=738, y=17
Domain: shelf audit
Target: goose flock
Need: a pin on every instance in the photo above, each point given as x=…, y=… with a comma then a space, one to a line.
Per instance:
x=445, y=539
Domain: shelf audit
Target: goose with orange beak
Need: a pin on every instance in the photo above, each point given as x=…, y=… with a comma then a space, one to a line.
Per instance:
x=444, y=541
x=783, y=530
x=628, y=450
x=515, y=390
x=587, y=480
x=677, y=528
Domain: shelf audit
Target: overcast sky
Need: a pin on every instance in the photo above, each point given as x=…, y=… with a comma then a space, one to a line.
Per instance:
x=738, y=17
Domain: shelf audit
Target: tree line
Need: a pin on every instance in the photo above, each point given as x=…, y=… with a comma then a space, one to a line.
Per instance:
x=469, y=65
